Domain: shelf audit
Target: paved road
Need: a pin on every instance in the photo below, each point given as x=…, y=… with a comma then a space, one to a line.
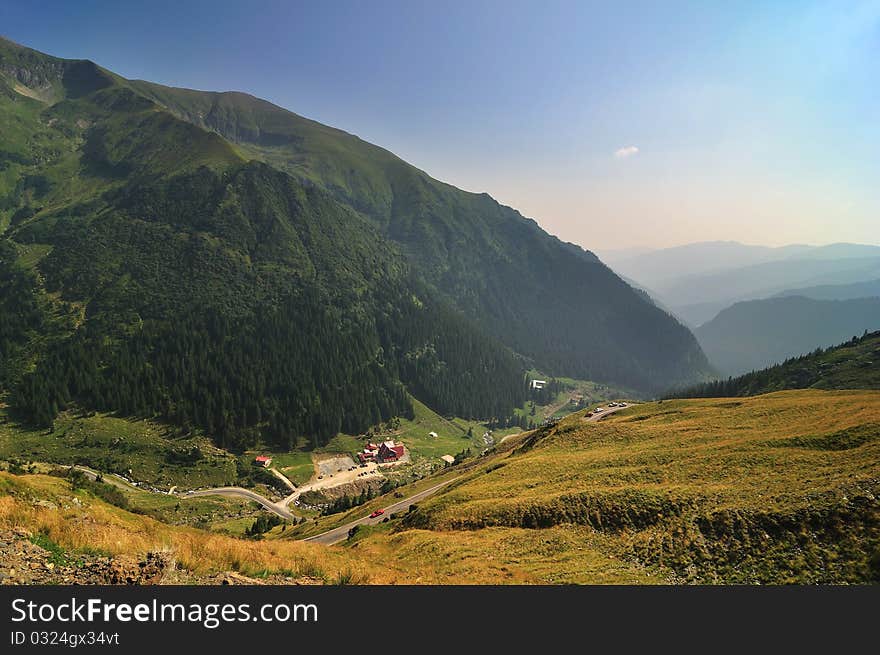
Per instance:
x=605, y=412
x=331, y=536
x=336, y=535
x=240, y=492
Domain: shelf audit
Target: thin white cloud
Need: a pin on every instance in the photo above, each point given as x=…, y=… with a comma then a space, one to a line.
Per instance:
x=626, y=152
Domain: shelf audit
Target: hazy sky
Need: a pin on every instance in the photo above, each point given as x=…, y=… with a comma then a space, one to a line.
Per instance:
x=614, y=124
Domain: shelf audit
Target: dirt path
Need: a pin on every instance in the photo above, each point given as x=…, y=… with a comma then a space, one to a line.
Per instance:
x=278, y=474
x=342, y=477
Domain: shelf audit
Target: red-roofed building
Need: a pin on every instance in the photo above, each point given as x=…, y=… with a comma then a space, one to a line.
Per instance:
x=368, y=454
x=390, y=451
x=263, y=460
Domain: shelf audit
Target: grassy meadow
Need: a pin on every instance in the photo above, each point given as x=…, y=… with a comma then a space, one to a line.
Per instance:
x=151, y=451
x=776, y=488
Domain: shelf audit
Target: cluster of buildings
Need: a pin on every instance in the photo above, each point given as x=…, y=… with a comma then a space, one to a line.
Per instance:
x=387, y=451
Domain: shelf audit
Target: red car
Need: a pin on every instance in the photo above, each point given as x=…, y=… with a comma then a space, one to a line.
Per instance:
x=378, y=512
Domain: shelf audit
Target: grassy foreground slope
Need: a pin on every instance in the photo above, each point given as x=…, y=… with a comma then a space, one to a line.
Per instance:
x=773, y=489
x=44, y=508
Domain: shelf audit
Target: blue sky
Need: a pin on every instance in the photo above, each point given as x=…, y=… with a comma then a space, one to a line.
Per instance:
x=614, y=125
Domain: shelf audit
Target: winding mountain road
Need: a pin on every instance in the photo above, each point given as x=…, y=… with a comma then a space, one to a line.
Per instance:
x=336, y=535
x=241, y=492
x=328, y=538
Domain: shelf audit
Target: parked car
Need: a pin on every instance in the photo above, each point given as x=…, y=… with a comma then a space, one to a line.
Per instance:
x=597, y=410
x=378, y=512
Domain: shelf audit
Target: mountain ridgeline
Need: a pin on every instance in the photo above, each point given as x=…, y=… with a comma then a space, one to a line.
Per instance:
x=552, y=302
x=854, y=364
x=224, y=264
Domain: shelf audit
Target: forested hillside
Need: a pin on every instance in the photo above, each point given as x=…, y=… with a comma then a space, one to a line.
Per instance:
x=851, y=365
x=223, y=264
x=550, y=301
x=145, y=268
x=754, y=334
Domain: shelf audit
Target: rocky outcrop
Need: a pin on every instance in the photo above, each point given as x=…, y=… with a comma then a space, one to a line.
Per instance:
x=25, y=562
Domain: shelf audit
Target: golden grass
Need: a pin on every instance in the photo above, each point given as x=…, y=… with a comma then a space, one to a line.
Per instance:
x=558, y=555
x=97, y=525
x=494, y=556
x=723, y=453
x=780, y=488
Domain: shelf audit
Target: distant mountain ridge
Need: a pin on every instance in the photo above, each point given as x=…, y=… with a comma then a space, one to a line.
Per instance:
x=867, y=289
x=696, y=281
x=714, y=257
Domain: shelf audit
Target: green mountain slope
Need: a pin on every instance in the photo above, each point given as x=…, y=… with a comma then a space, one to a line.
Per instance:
x=551, y=301
x=270, y=279
x=754, y=334
x=146, y=268
x=851, y=365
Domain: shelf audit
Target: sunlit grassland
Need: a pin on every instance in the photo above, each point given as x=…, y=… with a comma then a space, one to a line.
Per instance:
x=558, y=555
x=297, y=465
x=498, y=555
x=776, y=488
x=732, y=453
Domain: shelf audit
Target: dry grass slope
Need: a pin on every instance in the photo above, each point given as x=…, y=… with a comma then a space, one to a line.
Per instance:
x=775, y=488
x=92, y=524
